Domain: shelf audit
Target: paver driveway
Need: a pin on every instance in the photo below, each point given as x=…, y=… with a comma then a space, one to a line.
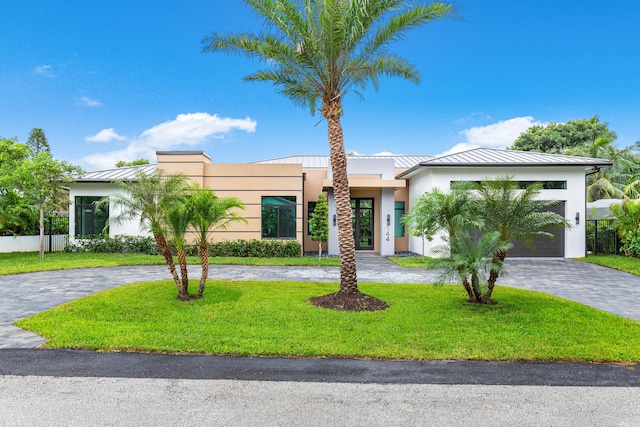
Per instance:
x=26, y=294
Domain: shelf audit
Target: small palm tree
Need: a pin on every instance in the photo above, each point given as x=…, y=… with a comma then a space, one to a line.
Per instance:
x=627, y=223
x=317, y=51
x=516, y=215
x=208, y=214
x=470, y=261
x=147, y=198
x=177, y=219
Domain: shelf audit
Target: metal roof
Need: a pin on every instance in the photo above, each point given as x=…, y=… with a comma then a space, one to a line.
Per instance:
x=494, y=157
x=116, y=174
x=322, y=162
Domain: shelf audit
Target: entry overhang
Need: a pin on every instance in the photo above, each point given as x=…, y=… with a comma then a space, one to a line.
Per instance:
x=327, y=184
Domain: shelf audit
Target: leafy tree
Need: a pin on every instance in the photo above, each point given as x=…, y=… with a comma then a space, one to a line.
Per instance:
x=136, y=162
x=470, y=261
x=147, y=198
x=315, y=52
x=208, y=214
x=41, y=180
x=557, y=137
x=16, y=215
x=37, y=141
x=516, y=215
x=319, y=223
x=627, y=223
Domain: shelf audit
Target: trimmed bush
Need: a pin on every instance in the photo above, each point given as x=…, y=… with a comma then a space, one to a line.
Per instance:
x=116, y=244
x=252, y=248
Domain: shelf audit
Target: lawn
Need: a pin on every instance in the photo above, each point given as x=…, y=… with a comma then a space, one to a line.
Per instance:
x=410, y=261
x=26, y=262
x=619, y=262
x=273, y=319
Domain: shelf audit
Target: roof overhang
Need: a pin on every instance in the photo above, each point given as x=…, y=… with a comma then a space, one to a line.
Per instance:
x=355, y=183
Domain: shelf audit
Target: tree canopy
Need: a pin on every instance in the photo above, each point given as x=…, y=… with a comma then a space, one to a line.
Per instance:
x=557, y=137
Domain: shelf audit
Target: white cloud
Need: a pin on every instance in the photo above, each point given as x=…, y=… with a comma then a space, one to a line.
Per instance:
x=105, y=135
x=44, y=70
x=85, y=101
x=496, y=135
x=186, y=130
x=386, y=153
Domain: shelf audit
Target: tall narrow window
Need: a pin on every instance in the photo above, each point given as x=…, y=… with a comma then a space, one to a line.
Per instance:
x=397, y=219
x=91, y=217
x=279, y=217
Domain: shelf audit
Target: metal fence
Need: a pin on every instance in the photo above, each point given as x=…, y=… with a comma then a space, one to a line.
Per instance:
x=56, y=230
x=602, y=237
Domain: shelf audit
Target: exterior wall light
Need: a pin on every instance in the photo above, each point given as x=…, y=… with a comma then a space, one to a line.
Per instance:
x=577, y=218
x=334, y=220
x=388, y=219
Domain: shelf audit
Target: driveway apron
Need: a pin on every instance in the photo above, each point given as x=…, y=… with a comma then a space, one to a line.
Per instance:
x=23, y=295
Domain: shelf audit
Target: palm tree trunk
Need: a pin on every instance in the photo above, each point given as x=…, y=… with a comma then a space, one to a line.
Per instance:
x=467, y=287
x=204, y=262
x=493, y=275
x=168, y=257
x=184, y=287
x=348, y=279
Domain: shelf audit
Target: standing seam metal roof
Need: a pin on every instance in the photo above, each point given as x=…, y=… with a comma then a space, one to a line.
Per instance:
x=116, y=174
x=322, y=162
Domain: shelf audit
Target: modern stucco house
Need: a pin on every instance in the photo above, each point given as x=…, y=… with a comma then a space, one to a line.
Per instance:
x=279, y=194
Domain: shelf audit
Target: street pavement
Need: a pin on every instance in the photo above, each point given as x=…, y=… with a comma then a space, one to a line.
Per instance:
x=63, y=387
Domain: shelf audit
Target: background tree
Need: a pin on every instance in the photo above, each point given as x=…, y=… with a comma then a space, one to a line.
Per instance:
x=210, y=213
x=315, y=52
x=147, y=198
x=319, y=223
x=37, y=141
x=557, y=137
x=136, y=162
x=41, y=180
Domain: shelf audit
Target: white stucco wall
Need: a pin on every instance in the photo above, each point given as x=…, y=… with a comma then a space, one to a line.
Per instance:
x=573, y=196
x=90, y=189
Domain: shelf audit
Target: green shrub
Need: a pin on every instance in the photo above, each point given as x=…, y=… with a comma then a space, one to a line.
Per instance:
x=252, y=248
x=116, y=244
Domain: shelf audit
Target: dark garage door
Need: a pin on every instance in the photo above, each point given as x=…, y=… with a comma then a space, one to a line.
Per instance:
x=543, y=246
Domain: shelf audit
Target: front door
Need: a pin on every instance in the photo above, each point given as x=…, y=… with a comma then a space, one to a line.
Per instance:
x=362, y=222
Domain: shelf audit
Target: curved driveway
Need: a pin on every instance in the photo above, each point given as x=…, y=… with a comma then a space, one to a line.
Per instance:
x=26, y=294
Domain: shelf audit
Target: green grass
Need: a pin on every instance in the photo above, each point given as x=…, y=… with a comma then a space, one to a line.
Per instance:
x=619, y=262
x=273, y=319
x=410, y=261
x=27, y=262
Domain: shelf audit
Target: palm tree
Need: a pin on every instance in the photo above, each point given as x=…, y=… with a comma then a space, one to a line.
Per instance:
x=615, y=181
x=516, y=215
x=315, y=53
x=470, y=261
x=627, y=223
x=147, y=198
x=177, y=219
x=208, y=214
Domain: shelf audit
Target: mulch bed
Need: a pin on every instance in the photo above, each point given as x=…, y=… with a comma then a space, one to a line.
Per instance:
x=351, y=302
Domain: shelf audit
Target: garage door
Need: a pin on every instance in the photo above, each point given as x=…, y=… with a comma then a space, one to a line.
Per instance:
x=543, y=246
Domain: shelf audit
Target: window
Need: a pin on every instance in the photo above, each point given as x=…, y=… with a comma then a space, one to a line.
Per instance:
x=397, y=223
x=91, y=217
x=546, y=185
x=279, y=217
x=311, y=206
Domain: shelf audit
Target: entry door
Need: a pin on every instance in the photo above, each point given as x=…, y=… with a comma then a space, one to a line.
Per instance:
x=362, y=222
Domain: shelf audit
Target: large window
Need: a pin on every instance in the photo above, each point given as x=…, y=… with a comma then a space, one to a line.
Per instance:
x=397, y=220
x=546, y=185
x=279, y=217
x=91, y=216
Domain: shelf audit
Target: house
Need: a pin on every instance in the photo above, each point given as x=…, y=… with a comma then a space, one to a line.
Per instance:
x=279, y=194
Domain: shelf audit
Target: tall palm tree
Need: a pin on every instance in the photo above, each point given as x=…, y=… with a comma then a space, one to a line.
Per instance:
x=147, y=198
x=516, y=215
x=315, y=52
x=208, y=214
x=470, y=261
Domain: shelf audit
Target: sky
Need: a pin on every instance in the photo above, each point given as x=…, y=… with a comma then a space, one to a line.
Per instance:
x=119, y=80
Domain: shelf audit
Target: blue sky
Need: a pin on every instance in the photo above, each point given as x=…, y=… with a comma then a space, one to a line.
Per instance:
x=118, y=80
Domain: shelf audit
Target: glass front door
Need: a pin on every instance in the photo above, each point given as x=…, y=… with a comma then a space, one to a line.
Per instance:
x=362, y=223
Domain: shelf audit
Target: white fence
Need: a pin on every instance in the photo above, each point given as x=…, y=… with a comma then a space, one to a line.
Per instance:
x=29, y=243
